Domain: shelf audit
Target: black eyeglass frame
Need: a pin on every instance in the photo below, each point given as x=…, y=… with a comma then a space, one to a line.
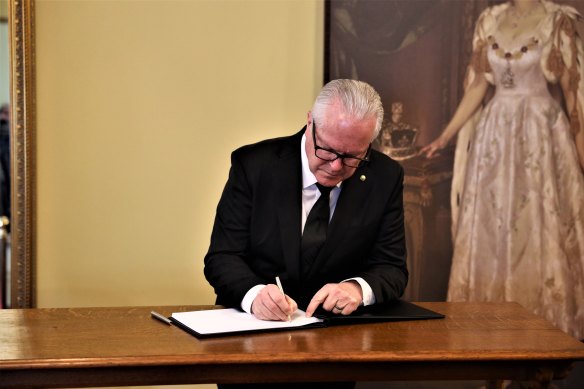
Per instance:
x=362, y=161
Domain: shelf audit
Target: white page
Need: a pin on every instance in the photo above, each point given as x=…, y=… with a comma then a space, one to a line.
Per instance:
x=217, y=321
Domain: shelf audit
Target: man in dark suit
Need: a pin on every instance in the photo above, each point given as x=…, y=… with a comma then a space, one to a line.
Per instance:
x=264, y=227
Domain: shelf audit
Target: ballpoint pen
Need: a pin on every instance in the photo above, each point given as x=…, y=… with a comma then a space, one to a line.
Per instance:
x=282, y=290
x=160, y=317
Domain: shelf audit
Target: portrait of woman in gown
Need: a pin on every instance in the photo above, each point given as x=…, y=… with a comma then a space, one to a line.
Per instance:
x=518, y=185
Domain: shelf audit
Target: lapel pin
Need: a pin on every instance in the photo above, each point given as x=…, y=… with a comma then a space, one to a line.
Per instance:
x=363, y=177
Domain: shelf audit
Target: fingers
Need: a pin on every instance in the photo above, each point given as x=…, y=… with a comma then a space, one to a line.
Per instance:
x=424, y=150
x=432, y=150
x=429, y=151
x=292, y=304
x=432, y=154
x=317, y=299
x=341, y=299
x=271, y=304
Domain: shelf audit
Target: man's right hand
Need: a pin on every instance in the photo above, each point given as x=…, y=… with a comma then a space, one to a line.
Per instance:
x=271, y=304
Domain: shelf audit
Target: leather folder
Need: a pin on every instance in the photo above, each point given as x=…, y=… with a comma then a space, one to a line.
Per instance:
x=222, y=322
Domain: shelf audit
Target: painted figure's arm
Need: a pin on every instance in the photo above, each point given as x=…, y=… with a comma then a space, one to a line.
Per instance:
x=471, y=101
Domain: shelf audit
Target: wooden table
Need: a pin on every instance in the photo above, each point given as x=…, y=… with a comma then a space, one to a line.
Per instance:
x=82, y=347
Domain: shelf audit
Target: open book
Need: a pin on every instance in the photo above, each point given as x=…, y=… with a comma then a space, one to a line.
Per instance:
x=217, y=322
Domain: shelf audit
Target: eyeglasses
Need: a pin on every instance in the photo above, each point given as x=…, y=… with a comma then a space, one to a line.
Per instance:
x=331, y=155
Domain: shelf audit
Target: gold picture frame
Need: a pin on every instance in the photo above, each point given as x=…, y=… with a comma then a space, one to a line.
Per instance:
x=23, y=173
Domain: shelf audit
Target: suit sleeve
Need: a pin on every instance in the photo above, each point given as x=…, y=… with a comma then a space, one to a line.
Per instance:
x=226, y=266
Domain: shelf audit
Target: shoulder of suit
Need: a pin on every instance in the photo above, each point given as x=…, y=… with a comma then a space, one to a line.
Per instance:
x=378, y=159
x=269, y=148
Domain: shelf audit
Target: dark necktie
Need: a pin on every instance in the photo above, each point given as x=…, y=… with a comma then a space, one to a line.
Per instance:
x=314, y=234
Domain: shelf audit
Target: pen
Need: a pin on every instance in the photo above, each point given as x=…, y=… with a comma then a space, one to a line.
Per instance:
x=282, y=290
x=160, y=317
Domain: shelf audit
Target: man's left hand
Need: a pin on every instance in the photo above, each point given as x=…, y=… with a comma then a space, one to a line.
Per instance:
x=341, y=299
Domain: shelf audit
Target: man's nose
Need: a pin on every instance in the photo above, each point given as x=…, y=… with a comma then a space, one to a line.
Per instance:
x=337, y=164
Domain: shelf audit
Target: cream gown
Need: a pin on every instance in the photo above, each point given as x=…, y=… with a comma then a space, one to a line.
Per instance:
x=519, y=232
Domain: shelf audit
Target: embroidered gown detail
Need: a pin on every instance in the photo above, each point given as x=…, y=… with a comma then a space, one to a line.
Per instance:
x=519, y=228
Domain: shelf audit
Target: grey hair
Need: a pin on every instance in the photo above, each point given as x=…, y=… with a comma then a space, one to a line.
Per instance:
x=357, y=98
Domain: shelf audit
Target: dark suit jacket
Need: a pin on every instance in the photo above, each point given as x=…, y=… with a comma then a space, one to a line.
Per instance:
x=257, y=230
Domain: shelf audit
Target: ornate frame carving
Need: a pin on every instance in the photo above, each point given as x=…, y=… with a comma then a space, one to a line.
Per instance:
x=23, y=223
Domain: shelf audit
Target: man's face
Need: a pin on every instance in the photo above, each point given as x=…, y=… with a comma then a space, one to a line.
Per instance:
x=340, y=133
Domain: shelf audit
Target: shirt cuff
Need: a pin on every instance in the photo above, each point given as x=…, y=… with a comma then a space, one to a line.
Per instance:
x=368, y=296
x=249, y=297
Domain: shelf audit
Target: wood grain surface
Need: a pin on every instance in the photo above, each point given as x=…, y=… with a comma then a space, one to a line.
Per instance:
x=77, y=347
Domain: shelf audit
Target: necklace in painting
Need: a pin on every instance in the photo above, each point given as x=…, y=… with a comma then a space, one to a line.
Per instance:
x=508, y=77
